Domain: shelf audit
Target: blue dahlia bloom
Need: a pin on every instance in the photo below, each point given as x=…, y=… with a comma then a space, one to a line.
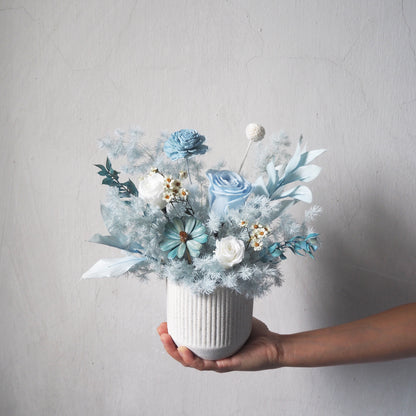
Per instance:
x=185, y=143
x=227, y=190
x=184, y=234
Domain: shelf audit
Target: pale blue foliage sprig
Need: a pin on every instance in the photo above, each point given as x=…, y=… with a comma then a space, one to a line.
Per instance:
x=126, y=143
x=277, y=150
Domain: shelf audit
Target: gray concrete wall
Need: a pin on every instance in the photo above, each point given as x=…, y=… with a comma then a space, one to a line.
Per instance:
x=343, y=73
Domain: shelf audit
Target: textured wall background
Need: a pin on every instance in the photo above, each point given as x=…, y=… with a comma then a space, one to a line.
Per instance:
x=343, y=73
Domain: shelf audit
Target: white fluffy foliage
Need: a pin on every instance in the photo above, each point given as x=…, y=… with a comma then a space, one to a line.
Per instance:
x=312, y=213
x=276, y=151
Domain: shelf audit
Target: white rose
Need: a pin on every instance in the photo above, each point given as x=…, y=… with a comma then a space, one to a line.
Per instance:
x=229, y=251
x=151, y=190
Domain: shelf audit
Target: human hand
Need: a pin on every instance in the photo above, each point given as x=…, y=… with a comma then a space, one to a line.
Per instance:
x=261, y=352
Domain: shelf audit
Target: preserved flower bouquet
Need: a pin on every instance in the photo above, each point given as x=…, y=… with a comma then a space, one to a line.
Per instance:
x=205, y=231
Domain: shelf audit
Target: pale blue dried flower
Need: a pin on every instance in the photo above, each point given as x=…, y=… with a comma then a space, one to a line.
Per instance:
x=185, y=143
x=184, y=234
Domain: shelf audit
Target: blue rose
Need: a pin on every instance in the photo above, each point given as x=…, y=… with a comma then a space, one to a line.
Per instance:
x=185, y=143
x=227, y=190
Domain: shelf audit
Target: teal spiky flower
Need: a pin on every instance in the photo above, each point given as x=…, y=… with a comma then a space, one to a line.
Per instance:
x=184, y=235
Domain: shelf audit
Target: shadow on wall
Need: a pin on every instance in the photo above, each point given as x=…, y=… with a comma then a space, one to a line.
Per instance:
x=370, y=266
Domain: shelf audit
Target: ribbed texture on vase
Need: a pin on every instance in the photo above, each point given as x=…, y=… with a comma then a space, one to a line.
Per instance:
x=212, y=326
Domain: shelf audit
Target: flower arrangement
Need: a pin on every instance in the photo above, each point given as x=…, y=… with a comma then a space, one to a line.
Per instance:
x=205, y=229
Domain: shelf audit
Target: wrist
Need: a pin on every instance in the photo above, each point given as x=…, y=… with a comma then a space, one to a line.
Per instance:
x=282, y=345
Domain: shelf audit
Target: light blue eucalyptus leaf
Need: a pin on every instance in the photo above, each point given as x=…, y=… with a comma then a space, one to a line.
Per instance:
x=110, y=240
x=259, y=188
x=134, y=247
x=284, y=205
x=107, y=215
x=300, y=193
x=294, y=161
x=120, y=241
x=112, y=267
x=307, y=157
x=271, y=171
x=279, y=170
x=303, y=174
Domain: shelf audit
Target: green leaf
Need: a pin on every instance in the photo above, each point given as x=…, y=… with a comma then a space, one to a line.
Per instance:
x=126, y=189
x=132, y=188
x=109, y=182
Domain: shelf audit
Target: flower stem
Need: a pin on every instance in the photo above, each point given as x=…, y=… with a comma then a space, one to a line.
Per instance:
x=188, y=255
x=189, y=208
x=187, y=168
x=245, y=156
x=173, y=206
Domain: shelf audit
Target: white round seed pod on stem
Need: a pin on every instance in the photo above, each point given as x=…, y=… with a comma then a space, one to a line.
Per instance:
x=254, y=133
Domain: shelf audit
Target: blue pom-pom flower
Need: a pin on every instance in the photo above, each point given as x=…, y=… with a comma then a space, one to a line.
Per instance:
x=184, y=144
x=184, y=235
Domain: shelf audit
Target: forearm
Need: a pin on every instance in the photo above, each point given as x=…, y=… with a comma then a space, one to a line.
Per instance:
x=386, y=336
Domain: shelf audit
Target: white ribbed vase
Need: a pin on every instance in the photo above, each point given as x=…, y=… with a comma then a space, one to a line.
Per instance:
x=212, y=326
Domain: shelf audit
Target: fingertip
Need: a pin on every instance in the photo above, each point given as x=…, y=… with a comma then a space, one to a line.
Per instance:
x=186, y=354
x=166, y=338
x=168, y=343
x=162, y=328
x=183, y=351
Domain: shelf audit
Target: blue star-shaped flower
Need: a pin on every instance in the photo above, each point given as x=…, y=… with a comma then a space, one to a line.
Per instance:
x=184, y=234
